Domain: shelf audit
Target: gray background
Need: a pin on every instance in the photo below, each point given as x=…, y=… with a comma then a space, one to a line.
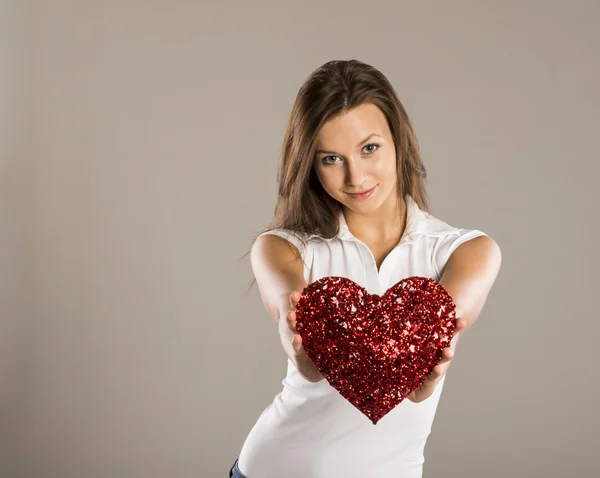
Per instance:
x=138, y=156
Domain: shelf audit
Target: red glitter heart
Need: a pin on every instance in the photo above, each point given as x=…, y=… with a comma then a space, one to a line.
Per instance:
x=375, y=350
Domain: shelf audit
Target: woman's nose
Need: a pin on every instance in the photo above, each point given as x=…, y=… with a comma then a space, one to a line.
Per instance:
x=355, y=172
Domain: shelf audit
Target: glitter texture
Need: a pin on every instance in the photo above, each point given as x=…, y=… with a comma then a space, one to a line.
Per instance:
x=375, y=350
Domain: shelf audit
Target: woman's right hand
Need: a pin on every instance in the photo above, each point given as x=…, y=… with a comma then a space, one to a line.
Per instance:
x=306, y=367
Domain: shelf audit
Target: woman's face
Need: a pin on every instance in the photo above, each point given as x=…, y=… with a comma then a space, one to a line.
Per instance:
x=349, y=160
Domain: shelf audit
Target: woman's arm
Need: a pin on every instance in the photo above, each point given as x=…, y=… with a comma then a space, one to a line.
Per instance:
x=469, y=275
x=279, y=271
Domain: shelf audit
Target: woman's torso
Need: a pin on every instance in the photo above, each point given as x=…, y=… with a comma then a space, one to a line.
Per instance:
x=309, y=430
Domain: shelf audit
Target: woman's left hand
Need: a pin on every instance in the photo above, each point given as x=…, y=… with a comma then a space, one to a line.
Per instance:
x=428, y=386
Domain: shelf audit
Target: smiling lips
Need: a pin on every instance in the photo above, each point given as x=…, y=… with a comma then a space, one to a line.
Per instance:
x=363, y=195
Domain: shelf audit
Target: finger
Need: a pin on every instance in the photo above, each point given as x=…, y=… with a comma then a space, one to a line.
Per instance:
x=291, y=321
x=437, y=373
x=296, y=343
x=294, y=298
x=298, y=348
x=459, y=324
x=433, y=376
x=442, y=367
x=447, y=355
x=445, y=359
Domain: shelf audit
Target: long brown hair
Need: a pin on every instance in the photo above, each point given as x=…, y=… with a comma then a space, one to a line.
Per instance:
x=303, y=206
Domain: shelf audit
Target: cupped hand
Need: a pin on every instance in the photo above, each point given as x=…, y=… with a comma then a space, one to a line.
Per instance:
x=306, y=367
x=428, y=386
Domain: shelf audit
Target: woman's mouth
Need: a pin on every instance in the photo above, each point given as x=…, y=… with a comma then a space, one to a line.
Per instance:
x=363, y=195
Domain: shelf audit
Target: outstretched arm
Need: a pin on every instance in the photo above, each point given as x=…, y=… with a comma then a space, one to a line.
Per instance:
x=468, y=277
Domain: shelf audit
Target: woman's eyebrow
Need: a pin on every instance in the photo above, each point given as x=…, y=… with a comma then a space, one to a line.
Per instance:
x=359, y=144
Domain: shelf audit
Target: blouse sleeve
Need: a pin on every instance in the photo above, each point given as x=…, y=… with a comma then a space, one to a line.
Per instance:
x=448, y=243
x=297, y=243
x=286, y=235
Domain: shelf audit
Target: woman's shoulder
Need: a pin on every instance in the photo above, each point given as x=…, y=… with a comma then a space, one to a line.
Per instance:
x=295, y=237
x=430, y=225
x=302, y=241
x=447, y=238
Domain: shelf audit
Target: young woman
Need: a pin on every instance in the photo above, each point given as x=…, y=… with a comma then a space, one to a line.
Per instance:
x=352, y=203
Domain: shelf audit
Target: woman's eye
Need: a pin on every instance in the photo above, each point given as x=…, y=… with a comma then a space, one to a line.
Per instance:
x=325, y=159
x=372, y=144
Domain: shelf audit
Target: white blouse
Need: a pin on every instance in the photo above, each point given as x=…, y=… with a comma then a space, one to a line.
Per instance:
x=310, y=430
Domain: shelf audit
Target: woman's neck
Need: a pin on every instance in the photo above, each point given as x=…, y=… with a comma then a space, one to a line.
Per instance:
x=383, y=226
